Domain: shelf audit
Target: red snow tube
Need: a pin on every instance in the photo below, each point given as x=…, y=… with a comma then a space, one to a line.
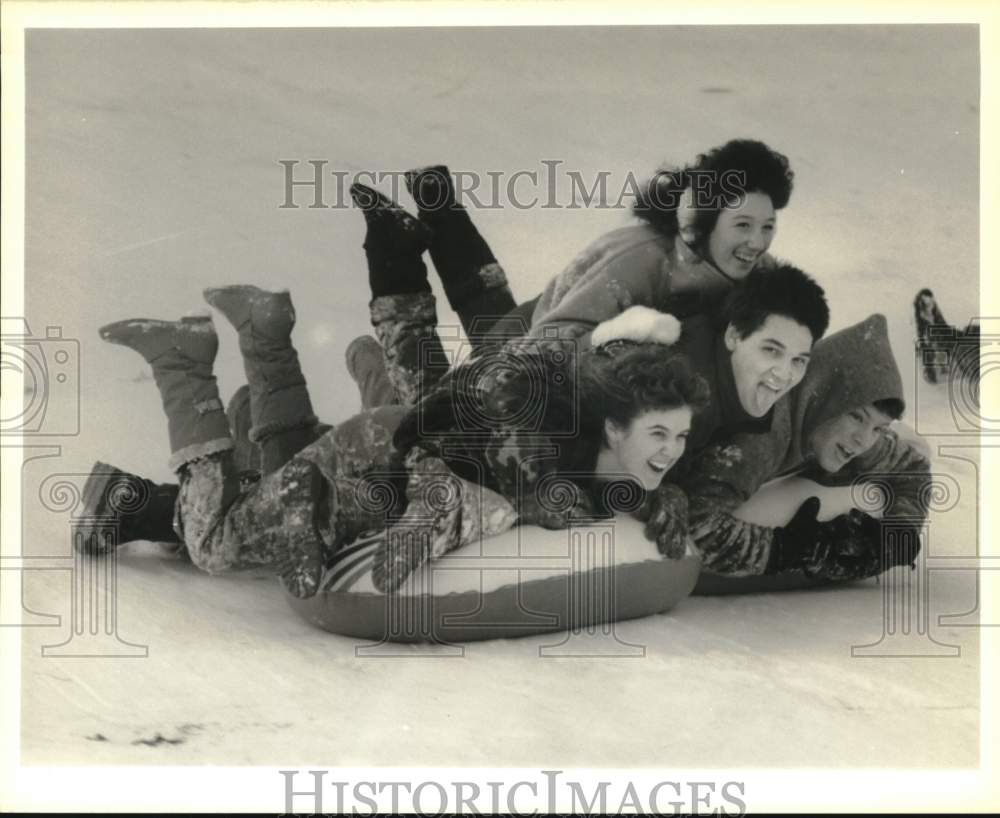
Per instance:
x=526, y=581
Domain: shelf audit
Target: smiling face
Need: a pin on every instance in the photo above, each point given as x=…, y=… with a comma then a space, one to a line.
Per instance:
x=742, y=235
x=768, y=362
x=650, y=445
x=835, y=442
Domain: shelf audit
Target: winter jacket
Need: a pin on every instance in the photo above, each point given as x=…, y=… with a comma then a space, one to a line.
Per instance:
x=511, y=421
x=849, y=369
x=629, y=266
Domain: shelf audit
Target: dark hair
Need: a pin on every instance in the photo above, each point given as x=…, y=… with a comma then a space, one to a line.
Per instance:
x=893, y=407
x=936, y=316
x=781, y=290
x=723, y=174
x=637, y=378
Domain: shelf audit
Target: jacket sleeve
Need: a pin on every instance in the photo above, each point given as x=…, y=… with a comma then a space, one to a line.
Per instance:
x=719, y=480
x=635, y=275
x=451, y=511
x=530, y=400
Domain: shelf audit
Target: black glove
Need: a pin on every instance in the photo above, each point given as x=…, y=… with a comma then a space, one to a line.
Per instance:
x=857, y=546
x=796, y=544
x=665, y=513
x=899, y=543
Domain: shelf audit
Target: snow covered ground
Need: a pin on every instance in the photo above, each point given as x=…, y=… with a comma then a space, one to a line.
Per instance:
x=153, y=171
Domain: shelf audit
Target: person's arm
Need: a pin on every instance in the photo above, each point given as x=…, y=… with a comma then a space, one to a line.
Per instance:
x=614, y=284
x=719, y=480
x=443, y=512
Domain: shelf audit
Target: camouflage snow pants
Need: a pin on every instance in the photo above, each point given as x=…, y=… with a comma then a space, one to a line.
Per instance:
x=345, y=483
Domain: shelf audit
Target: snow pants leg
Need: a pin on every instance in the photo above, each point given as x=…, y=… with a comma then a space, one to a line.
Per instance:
x=322, y=498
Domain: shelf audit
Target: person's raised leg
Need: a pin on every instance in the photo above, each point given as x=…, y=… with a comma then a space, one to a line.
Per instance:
x=281, y=413
x=475, y=284
x=223, y=529
x=403, y=310
x=366, y=365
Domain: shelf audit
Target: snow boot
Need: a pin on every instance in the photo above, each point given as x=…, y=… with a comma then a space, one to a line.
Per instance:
x=394, y=243
x=366, y=365
x=119, y=507
x=403, y=309
x=475, y=284
x=181, y=354
x=246, y=454
x=281, y=413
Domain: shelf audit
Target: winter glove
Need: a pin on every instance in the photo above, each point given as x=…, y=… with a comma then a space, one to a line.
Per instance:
x=797, y=544
x=858, y=546
x=898, y=544
x=665, y=513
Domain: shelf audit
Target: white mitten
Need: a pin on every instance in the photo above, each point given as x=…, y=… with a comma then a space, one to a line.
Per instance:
x=640, y=324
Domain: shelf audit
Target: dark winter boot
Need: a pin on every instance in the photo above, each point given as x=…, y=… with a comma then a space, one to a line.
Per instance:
x=126, y=507
x=403, y=309
x=282, y=417
x=473, y=281
x=394, y=244
x=181, y=354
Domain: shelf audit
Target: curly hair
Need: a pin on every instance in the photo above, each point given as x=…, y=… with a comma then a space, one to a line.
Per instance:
x=723, y=175
x=781, y=290
x=636, y=379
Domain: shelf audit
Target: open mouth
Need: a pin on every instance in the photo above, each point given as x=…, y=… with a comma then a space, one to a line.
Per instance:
x=745, y=257
x=659, y=467
x=845, y=454
x=771, y=392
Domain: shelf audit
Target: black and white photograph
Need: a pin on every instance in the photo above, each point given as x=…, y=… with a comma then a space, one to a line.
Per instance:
x=420, y=408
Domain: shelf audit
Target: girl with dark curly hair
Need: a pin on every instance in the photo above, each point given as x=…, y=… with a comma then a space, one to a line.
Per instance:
x=703, y=227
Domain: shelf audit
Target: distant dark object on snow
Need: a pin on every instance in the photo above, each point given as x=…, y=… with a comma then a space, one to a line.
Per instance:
x=944, y=351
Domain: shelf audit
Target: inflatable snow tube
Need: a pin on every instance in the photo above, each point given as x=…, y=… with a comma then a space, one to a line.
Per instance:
x=526, y=581
x=774, y=505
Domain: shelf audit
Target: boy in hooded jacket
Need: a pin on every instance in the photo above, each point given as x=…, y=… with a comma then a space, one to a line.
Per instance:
x=834, y=430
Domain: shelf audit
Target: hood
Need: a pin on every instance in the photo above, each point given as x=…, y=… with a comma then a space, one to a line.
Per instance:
x=851, y=368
